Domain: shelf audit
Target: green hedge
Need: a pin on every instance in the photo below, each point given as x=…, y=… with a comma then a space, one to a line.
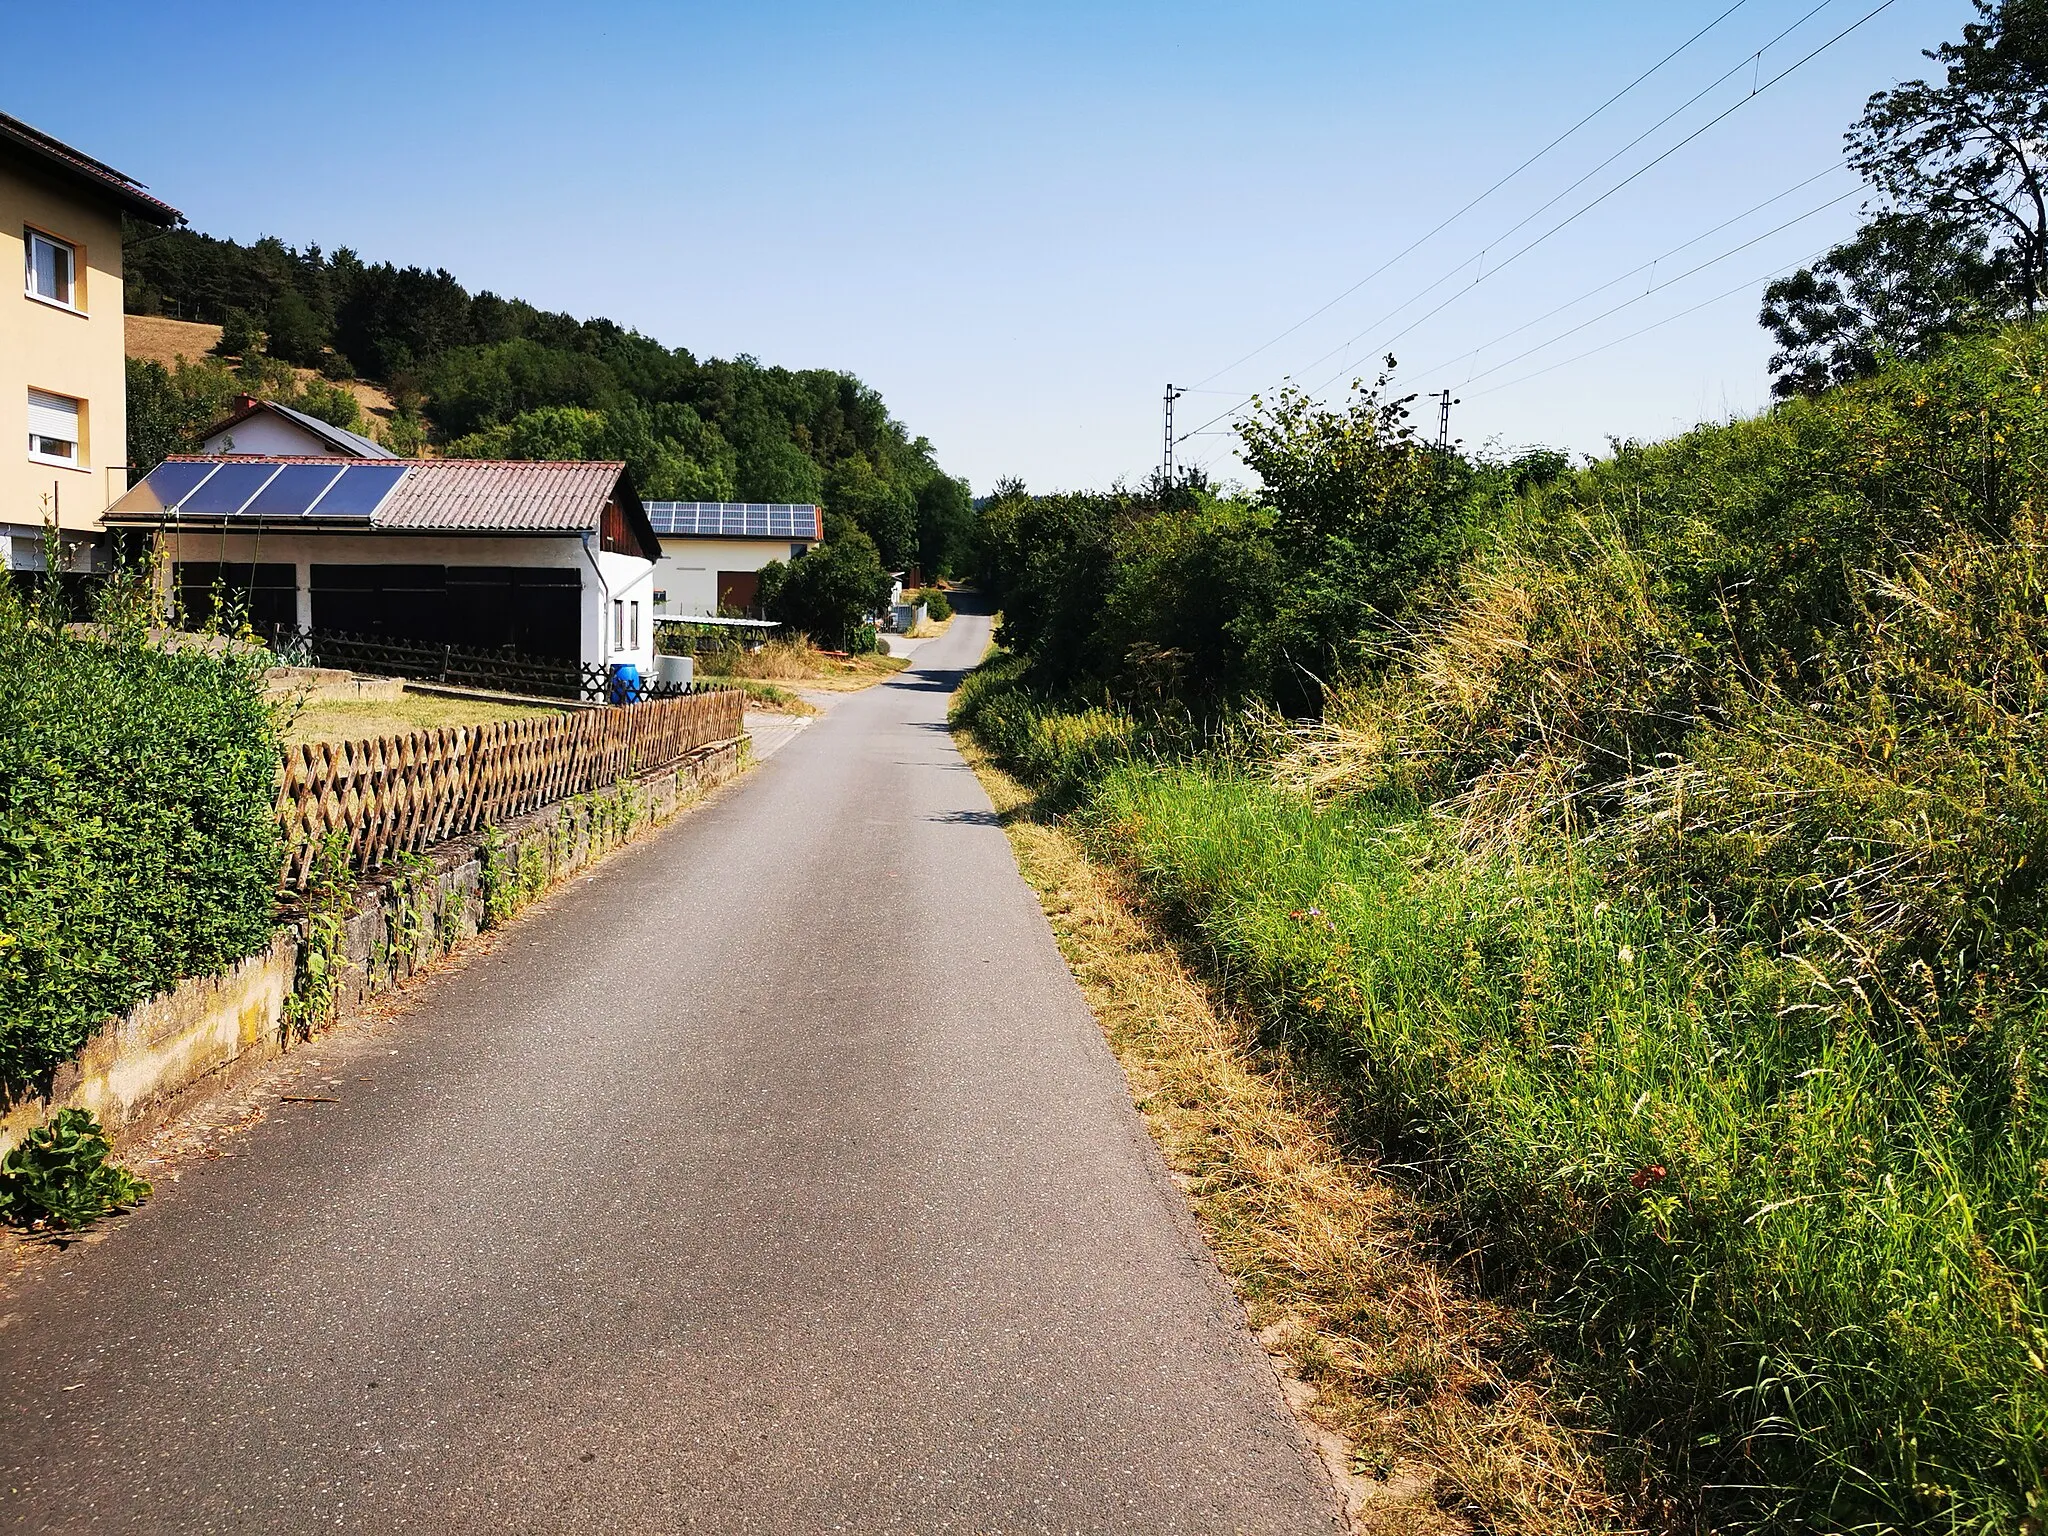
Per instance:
x=137, y=839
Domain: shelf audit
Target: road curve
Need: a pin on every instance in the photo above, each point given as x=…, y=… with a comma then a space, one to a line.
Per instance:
x=774, y=1177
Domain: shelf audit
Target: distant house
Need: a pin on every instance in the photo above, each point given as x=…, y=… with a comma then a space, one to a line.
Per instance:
x=264, y=427
x=63, y=380
x=712, y=551
x=554, y=560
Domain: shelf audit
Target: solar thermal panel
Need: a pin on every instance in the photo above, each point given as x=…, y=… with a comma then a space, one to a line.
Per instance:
x=360, y=490
x=295, y=489
x=224, y=492
x=164, y=487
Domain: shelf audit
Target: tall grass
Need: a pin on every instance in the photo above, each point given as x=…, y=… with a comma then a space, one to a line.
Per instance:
x=1671, y=900
x=1797, y=1265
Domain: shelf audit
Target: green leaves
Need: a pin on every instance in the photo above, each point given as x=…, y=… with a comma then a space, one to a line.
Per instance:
x=831, y=592
x=137, y=840
x=59, y=1177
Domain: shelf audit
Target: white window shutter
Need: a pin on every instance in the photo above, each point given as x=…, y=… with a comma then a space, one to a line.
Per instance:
x=52, y=416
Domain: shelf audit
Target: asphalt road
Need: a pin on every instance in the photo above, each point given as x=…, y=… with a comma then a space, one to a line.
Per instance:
x=774, y=1177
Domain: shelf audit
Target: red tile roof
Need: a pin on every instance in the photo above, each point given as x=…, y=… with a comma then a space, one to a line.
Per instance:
x=501, y=496
x=19, y=141
x=504, y=496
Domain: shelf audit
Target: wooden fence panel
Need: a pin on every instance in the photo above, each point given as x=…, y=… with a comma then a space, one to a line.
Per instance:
x=389, y=795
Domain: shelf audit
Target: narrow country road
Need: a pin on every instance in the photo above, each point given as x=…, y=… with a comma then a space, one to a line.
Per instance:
x=774, y=1177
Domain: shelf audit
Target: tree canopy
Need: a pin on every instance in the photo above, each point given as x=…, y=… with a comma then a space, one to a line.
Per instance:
x=1957, y=240
x=480, y=375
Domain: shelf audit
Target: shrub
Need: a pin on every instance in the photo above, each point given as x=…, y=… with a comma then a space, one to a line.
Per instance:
x=59, y=1176
x=830, y=593
x=137, y=839
x=937, y=606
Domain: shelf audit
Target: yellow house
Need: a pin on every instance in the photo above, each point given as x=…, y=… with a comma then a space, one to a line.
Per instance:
x=63, y=370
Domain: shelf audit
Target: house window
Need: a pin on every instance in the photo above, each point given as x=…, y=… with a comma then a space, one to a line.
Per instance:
x=633, y=627
x=618, y=623
x=52, y=269
x=53, y=430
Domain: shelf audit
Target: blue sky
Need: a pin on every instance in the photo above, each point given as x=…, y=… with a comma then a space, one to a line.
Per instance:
x=1019, y=222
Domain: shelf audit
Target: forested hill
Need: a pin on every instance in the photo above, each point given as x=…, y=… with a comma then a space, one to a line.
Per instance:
x=477, y=375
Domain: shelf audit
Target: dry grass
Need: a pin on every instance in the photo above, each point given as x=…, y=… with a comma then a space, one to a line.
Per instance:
x=352, y=719
x=160, y=339
x=1428, y=1403
x=799, y=661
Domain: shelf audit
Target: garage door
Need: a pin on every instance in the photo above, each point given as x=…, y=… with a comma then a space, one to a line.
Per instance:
x=534, y=611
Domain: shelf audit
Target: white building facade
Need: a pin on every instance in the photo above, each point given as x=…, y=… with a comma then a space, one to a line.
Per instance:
x=712, y=552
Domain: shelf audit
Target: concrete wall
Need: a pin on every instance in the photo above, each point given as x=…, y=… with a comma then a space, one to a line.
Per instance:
x=688, y=569
x=81, y=354
x=141, y=1068
x=625, y=578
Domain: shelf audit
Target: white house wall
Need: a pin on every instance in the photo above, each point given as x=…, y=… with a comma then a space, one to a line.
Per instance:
x=264, y=433
x=688, y=569
x=625, y=577
x=630, y=580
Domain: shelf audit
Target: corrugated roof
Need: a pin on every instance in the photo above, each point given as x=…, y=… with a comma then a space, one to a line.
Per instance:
x=55, y=155
x=501, y=496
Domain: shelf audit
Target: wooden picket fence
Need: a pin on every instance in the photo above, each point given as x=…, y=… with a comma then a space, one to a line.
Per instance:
x=397, y=794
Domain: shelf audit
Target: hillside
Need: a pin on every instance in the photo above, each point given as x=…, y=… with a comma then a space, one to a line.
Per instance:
x=478, y=375
x=167, y=343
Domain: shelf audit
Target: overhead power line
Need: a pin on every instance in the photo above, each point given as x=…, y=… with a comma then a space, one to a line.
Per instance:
x=1756, y=90
x=1425, y=238
x=1637, y=174
x=1669, y=282
x=1726, y=293
x=1648, y=266
x=1655, y=261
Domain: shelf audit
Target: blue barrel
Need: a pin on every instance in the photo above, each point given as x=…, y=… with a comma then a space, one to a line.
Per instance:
x=626, y=685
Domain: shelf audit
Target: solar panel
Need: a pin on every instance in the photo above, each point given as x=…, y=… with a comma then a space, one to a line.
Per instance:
x=163, y=487
x=360, y=490
x=296, y=488
x=227, y=488
x=734, y=519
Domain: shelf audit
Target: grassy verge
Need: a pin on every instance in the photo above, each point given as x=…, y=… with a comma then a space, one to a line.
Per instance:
x=350, y=719
x=1794, y=1265
x=801, y=663
x=772, y=698
x=1428, y=1402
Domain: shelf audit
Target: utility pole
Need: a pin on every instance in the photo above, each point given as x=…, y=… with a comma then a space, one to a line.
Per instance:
x=1443, y=436
x=1166, y=463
